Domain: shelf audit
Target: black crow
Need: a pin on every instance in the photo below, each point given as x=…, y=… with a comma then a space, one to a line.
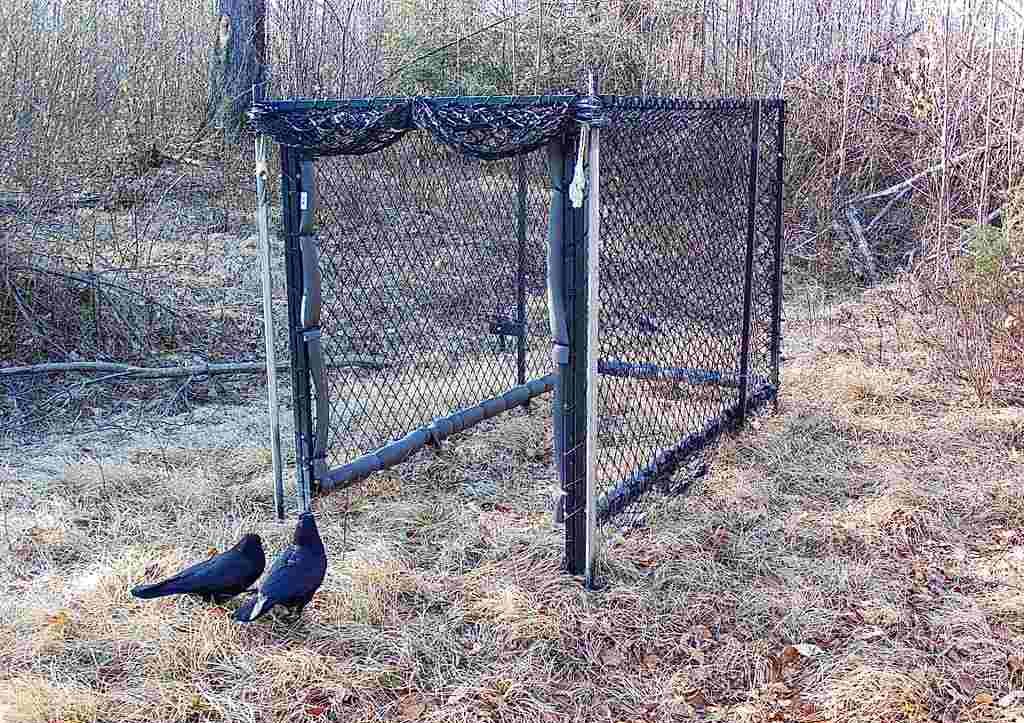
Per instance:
x=294, y=577
x=217, y=579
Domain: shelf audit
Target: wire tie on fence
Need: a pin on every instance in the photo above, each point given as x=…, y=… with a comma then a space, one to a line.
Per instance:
x=578, y=179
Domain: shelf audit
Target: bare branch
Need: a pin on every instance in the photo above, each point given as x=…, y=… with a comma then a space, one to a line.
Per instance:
x=126, y=370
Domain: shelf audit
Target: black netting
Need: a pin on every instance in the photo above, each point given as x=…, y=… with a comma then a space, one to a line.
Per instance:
x=481, y=128
x=335, y=129
x=490, y=132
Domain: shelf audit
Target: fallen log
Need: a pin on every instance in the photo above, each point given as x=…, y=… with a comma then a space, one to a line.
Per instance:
x=127, y=370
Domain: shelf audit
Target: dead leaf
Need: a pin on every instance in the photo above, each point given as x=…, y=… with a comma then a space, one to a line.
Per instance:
x=612, y=657
x=789, y=654
x=211, y=551
x=59, y=619
x=651, y=661
x=696, y=699
x=410, y=707
x=721, y=537
x=967, y=683
x=808, y=710
x=1015, y=663
x=983, y=699
x=808, y=650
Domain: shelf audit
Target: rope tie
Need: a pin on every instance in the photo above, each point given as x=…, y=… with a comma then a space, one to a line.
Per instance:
x=579, y=181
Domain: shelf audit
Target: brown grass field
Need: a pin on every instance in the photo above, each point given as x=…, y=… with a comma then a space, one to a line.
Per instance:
x=857, y=557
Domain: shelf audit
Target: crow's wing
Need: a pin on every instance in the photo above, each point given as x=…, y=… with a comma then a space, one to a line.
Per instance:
x=230, y=571
x=260, y=604
x=287, y=574
x=295, y=575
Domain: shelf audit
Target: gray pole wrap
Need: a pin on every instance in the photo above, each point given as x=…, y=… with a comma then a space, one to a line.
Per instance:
x=434, y=433
x=556, y=309
x=310, y=320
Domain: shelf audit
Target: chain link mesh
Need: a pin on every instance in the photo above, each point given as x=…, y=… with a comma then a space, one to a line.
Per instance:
x=423, y=268
x=674, y=200
x=419, y=255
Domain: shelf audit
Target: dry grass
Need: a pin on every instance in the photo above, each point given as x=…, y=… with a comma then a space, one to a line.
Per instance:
x=858, y=557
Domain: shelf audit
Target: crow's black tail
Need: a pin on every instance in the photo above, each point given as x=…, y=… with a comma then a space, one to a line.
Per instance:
x=244, y=613
x=245, y=609
x=157, y=589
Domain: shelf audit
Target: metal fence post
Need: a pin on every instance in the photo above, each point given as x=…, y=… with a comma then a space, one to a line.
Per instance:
x=575, y=259
x=778, y=251
x=748, y=274
x=521, y=272
x=291, y=185
x=593, y=310
x=558, y=319
x=263, y=226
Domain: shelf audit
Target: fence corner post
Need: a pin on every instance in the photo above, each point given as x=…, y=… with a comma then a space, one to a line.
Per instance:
x=778, y=252
x=593, y=348
x=748, y=270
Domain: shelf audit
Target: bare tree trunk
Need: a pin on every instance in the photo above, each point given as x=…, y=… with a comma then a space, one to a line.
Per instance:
x=237, y=63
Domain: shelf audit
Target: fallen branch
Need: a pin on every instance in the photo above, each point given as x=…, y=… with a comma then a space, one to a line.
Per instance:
x=126, y=370
x=885, y=209
x=861, y=242
x=894, y=193
x=908, y=184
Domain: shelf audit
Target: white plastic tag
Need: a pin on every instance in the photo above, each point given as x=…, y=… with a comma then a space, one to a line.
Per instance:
x=579, y=181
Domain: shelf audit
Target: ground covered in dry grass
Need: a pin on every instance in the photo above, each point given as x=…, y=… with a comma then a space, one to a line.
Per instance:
x=857, y=557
